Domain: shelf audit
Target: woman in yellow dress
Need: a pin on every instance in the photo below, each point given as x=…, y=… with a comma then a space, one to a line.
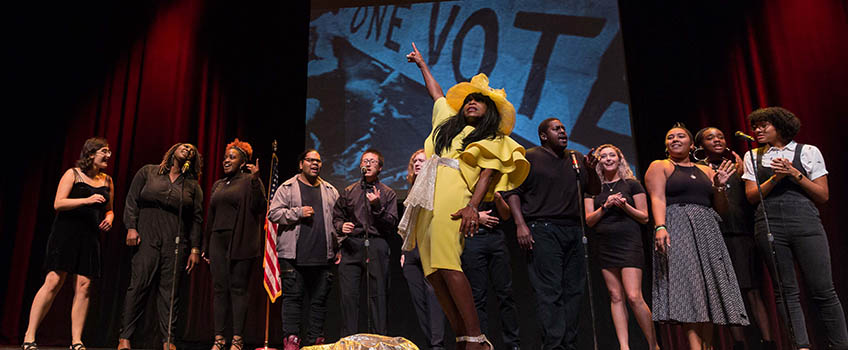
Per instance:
x=470, y=156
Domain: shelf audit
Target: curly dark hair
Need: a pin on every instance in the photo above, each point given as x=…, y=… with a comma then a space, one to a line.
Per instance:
x=91, y=146
x=784, y=121
x=196, y=161
x=487, y=128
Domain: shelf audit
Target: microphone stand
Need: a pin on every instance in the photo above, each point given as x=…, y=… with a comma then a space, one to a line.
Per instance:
x=585, y=251
x=176, y=258
x=773, y=255
x=367, y=258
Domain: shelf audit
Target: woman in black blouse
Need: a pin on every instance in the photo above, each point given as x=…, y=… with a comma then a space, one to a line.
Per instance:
x=157, y=193
x=737, y=228
x=233, y=239
x=616, y=214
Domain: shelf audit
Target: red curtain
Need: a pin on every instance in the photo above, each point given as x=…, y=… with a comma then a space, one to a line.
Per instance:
x=145, y=75
x=726, y=59
x=160, y=91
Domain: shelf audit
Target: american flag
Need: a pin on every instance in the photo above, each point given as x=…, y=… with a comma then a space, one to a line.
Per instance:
x=272, y=282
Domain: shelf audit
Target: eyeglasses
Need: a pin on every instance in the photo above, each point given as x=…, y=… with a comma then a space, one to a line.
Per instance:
x=312, y=160
x=105, y=152
x=370, y=161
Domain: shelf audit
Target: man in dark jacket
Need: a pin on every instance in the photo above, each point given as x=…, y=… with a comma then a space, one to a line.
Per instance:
x=364, y=215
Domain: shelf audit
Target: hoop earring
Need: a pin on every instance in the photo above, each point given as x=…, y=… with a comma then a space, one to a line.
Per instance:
x=695, y=154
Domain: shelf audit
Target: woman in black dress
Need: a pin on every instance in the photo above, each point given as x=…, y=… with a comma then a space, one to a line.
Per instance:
x=793, y=179
x=233, y=239
x=84, y=208
x=737, y=228
x=616, y=214
x=157, y=195
x=694, y=282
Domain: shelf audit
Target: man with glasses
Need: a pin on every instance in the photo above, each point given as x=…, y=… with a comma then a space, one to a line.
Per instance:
x=306, y=246
x=364, y=215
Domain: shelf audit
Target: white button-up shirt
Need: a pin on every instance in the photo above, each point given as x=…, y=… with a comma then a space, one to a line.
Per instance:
x=811, y=160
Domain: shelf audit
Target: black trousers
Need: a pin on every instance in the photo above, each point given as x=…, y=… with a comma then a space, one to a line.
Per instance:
x=431, y=319
x=229, y=284
x=486, y=258
x=153, y=268
x=351, y=270
x=298, y=281
x=557, y=273
x=799, y=237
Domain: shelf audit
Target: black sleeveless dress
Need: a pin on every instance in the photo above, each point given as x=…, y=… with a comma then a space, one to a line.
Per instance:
x=74, y=242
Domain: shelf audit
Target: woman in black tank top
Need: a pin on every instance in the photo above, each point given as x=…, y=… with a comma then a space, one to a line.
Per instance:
x=791, y=188
x=694, y=283
x=83, y=208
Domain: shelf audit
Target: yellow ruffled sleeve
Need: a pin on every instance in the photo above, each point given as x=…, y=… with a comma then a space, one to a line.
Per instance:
x=502, y=154
x=441, y=111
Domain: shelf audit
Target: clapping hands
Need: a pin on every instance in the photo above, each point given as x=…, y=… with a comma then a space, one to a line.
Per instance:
x=615, y=200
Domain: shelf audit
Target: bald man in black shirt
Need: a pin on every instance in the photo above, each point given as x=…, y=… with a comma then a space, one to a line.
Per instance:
x=547, y=218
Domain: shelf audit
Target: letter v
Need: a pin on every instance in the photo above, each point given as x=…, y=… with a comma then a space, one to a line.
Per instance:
x=433, y=53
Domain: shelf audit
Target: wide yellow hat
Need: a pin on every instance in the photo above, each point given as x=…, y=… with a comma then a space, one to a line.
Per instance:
x=480, y=83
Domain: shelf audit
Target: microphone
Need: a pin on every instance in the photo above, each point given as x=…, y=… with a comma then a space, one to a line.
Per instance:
x=367, y=186
x=185, y=166
x=574, y=163
x=744, y=136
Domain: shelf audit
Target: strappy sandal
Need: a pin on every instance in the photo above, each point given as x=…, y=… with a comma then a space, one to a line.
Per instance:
x=77, y=346
x=238, y=344
x=481, y=339
x=220, y=343
x=29, y=346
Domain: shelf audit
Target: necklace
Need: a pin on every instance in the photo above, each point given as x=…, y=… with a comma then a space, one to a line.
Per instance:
x=691, y=176
x=614, y=183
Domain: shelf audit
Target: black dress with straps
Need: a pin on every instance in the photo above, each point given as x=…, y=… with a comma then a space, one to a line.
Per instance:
x=617, y=235
x=74, y=242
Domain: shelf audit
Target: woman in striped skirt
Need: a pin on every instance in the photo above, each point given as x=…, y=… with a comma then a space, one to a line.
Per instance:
x=694, y=282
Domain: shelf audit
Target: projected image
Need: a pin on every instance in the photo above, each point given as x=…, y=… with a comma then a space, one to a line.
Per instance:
x=555, y=59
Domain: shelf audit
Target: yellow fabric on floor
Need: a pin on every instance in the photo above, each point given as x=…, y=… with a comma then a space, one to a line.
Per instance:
x=367, y=342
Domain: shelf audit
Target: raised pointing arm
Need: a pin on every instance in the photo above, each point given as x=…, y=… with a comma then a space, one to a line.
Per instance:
x=432, y=85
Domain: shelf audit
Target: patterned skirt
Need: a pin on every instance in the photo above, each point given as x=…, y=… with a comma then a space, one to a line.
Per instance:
x=694, y=281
